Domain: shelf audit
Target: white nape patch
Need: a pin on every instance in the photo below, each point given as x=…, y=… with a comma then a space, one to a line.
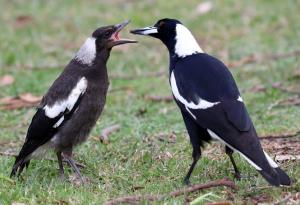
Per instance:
x=87, y=52
x=190, y=112
x=202, y=104
x=186, y=44
x=59, y=122
x=240, y=99
x=215, y=136
x=149, y=30
x=61, y=106
x=271, y=161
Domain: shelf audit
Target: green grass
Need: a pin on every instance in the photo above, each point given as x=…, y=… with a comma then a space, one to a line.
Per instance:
x=36, y=53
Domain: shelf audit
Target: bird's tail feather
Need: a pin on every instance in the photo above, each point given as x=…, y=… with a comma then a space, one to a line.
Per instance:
x=19, y=166
x=22, y=160
x=284, y=179
x=268, y=168
x=276, y=176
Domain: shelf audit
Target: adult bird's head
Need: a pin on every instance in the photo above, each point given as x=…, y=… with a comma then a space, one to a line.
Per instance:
x=101, y=42
x=178, y=39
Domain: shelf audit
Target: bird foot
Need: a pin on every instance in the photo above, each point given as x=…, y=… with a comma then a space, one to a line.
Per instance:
x=186, y=181
x=238, y=176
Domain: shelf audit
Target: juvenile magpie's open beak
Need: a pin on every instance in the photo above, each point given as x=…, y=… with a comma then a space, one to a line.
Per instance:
x=150, y=31
x=115, y=36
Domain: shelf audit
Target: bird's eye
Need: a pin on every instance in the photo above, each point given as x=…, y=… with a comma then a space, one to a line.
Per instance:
x=161, y=24
x=107, y=33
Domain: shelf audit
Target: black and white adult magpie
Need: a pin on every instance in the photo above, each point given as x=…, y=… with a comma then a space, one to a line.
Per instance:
x=73, y=103
x=210, y=102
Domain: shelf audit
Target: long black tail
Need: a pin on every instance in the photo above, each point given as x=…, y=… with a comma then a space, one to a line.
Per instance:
x=276, y=177
x=23, y=159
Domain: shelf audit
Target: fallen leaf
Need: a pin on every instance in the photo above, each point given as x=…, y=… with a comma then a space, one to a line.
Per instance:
x=296, y=74
x=257, y=88
x=290, y=101
x=107, y=131
x=6, y=80
x=286, y=157
x=171, y=138
x=17, y=203
x=76, y=181
x=204, y=7
x=29, y=97
x=23, y=21
x=164, y=155
x=21, y=101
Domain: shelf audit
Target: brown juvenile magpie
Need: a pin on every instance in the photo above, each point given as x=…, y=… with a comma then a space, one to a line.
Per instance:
x=210, y=102
x=74, y=102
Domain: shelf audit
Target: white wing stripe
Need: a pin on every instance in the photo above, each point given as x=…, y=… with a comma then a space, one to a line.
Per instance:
x=202, y=104
x=59, y=122
x=215, y=136
x=271, y=161
x=240, y=99
x=69, y=102
x=190, y=112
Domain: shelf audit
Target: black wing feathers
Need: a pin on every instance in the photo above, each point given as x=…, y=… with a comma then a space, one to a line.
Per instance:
x=40, y=131
x=237, y=114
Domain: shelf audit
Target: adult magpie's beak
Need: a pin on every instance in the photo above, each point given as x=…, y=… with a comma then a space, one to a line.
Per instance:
x=116, y=40
x=150, y=31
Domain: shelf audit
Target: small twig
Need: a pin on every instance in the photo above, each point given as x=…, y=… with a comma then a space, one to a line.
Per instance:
x=107, y=131
x=284, y=135
x=190, y=189
x=197, y=187
x=156, y=98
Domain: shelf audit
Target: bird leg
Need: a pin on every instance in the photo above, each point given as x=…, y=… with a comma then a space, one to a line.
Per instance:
x=196, y=156
x=60, y=164
x=72, y=163
x=237, y=173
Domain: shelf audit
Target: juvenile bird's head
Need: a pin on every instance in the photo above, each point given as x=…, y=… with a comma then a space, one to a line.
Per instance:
x=101, y=41
x=178, y=39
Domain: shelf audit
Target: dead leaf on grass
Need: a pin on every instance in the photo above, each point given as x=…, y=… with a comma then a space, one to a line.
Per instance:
x=290, y=101
x=257, y=88
x=284, y=149
x=23, y=21
x=6, y=80
x=164, y=155
x=21, y=101
x=204, y=7
x=29, y=97
x=76, y=181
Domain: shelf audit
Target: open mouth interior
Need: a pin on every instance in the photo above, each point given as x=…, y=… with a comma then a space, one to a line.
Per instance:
x=116, y=35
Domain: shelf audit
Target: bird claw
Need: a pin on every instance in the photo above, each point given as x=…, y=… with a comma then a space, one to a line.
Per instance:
x=238, y=176
x=186, y=181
